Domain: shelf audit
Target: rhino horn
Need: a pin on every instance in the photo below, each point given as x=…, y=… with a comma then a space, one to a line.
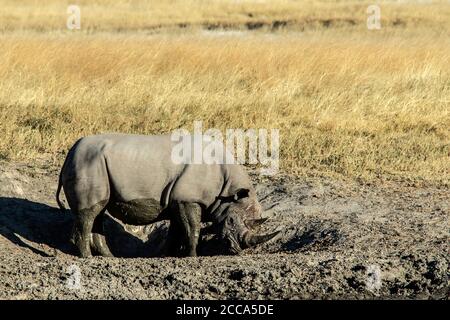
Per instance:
x=252, y=240
x=253, y=223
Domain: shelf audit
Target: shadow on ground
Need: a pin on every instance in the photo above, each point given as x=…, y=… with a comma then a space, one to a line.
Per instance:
x=313, y=236
x=30, y=224
x=25, y=223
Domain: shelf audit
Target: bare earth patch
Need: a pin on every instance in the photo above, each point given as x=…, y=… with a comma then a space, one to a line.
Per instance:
x=339, y=240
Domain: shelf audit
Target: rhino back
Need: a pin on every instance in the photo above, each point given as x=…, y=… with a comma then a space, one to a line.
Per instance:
x=140, y=167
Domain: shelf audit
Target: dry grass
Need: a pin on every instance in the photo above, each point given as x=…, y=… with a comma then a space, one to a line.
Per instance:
x=131, y=15
x=348, y=101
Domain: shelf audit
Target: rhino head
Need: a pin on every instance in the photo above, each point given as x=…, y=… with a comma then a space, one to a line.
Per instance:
x=240, y=217
x=235, y=234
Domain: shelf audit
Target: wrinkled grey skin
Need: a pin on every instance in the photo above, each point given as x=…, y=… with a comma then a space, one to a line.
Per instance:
x=135, y=179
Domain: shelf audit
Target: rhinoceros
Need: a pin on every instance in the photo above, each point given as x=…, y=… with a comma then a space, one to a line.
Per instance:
x=134, y=178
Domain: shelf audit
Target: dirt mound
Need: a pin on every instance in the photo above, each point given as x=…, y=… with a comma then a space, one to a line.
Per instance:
x=337, y=240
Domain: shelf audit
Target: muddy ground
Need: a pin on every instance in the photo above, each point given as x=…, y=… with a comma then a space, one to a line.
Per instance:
x=339, y=240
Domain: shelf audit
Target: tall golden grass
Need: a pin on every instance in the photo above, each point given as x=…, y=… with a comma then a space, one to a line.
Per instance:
x=348, y=102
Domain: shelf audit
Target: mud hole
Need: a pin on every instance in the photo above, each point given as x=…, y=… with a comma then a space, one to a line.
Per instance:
x=338, y=240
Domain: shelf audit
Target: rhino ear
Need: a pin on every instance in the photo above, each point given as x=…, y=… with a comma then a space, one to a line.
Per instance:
x=241, y=193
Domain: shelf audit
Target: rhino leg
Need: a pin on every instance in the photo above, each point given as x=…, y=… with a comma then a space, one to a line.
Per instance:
x=188, y=218
x=82, y=231
x=98, y=243
x=82, y=234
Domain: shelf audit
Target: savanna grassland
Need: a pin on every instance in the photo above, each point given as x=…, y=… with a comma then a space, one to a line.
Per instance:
x=349, y=102
x=362, y=200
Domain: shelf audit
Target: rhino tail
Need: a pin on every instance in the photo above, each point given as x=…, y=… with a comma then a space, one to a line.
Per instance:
x=58, y=191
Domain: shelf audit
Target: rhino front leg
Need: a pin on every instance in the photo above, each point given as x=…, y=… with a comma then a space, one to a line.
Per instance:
x=188, y=218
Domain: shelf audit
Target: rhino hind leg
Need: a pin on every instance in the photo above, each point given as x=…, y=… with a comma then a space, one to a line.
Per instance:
x=98, y=243
x=81, y=235
x=82, y=231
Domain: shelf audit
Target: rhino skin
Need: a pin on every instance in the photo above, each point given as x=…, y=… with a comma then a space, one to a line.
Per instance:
x=135, y=179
